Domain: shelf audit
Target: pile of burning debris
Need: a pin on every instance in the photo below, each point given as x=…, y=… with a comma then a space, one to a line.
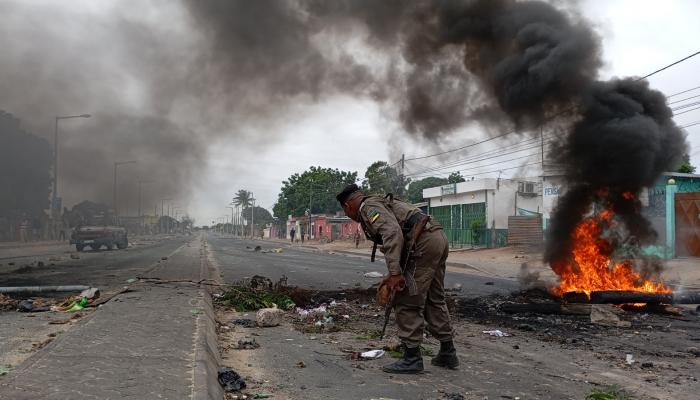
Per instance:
x=573, y=318
x=604, y=280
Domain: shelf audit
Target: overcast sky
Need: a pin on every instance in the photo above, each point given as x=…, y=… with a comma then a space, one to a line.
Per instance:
x=341, y=132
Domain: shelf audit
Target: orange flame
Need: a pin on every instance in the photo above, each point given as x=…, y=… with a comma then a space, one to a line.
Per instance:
x=592, y=268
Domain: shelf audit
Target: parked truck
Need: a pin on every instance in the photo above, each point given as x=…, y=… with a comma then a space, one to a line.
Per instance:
x=98, y=236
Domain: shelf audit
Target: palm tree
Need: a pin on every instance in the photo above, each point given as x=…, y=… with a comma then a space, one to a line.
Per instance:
x=244, y=199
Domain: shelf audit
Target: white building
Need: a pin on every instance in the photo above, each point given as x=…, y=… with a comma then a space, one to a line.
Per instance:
x=480, y=212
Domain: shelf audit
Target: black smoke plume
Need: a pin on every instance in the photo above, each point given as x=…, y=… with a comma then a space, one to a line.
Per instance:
x=624, y=140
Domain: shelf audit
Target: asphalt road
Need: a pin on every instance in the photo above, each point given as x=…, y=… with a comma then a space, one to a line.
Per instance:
x=36, y=266
x=310, y=268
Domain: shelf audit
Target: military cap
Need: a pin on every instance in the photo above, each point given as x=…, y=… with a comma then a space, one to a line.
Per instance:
x=347, y=191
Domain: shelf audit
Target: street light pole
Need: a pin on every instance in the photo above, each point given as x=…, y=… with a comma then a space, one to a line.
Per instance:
x=311, y=190
x=54, y=197
x=114, y=189
x=231, y=230
x=252, y=216
x=141, y=182
x=238, y=221
x=162, y=212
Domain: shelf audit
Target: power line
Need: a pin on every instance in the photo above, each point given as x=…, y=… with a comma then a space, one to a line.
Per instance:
x=461, y=148
x=685, y=106
x=492, y=151
x=466, y=161
x=690, y=124
x=495, y=170
x=684, y=91
x=686, y=111
x=670, y=65
x=682, y=100
x=496, y=163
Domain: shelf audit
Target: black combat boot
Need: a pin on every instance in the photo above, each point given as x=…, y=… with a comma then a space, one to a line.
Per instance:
x=411, y=363
x=447, y=357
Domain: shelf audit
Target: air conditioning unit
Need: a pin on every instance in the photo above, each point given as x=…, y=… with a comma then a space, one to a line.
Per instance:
x=526, y=187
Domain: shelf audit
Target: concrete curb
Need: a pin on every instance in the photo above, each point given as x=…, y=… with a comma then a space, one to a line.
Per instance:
x=205, y=384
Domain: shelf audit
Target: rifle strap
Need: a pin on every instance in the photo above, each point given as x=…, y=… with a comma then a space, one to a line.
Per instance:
x=374, y=251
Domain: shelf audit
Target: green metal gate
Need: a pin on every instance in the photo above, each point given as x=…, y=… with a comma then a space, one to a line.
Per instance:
x=464, y=224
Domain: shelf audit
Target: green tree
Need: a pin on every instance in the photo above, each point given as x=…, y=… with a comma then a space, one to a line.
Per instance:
x=315, y=187
x=686, y=167
x=262, y=216
x=382, y=178
x=414, y=193
x=455, y=177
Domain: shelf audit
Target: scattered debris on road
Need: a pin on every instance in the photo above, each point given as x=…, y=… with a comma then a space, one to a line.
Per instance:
x=230, y=380
x=268, y=317
x=373, y=274
x=30, y=306
x=372, y=354
x=244, y=322
x=247, y=344
x=497, y=333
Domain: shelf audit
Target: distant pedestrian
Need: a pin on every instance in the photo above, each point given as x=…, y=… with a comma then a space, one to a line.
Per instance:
x=24, y=230
x=292, y=233
x=357, y=238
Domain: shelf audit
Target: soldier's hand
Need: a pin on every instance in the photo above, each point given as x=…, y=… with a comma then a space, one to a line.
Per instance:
x=395, y=282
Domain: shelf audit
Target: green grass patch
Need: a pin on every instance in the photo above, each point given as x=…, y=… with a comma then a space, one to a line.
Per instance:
x=244, y=298
x=611, y=393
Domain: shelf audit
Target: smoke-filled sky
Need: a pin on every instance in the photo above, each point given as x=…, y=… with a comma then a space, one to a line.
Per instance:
x=210, y=100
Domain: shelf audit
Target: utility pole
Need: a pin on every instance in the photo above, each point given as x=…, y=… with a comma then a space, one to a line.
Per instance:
x=162, y=212
x=311, y=191
x=542, y=146
x=403, y=164
x=55, y=208
x=231, y=229
x=252, y=216
x=114, y=189
x=141, y=182
x=239, y=212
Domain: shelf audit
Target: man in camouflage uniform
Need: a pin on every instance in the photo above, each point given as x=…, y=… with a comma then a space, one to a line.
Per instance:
x=419, y=283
